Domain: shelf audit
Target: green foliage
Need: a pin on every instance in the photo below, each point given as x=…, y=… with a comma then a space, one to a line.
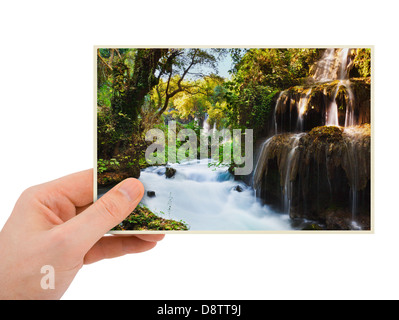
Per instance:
x=106, y=165
x=113, y=128
x=125, y=77
x=193, y=125
x=199, y=97
x=127, y=103
x=362, y=62
x=258, y=75
x=277, y=68
x=143, y=218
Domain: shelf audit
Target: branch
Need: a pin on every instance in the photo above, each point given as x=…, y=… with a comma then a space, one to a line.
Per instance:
x=167, y=96
x=186, y=71
x=112, y=56
x=117, y=51
x=102, y=59
x=179, y=89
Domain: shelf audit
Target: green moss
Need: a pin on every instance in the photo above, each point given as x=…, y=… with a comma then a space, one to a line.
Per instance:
x=326, y=134
x=143, y=218
x=312, y=226
x=362, y=62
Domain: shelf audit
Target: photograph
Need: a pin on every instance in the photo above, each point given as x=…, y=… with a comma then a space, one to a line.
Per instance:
x=237, y=139
x=199, y=158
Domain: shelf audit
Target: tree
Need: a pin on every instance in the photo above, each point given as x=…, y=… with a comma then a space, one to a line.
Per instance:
x=257, y=76
x=179, y=64
x=131, y=86
x=125, y=77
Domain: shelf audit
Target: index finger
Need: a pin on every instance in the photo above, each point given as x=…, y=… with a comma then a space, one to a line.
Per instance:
x=77, y=187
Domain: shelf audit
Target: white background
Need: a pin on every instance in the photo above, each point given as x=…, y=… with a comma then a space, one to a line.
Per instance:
x=46, y=131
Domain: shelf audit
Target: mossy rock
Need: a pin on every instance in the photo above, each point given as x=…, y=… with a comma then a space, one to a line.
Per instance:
x=325, y=134
x=313, y=226
x=106, y=179
x=143, y=218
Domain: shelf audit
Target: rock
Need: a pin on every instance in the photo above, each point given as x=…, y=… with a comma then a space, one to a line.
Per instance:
x=170, y=172
x=238, y=188
x=143, y=218
x=341, y=219
x=151, y=194
x=111, y=178
x=326, y=167
x=314, y=100
x=312, y=226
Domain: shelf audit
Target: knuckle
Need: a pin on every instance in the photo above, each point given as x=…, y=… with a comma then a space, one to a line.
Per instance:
x=29, y=193
x=28, y=197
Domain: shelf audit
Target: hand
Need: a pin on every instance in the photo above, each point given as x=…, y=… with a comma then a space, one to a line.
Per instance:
x=55, y=224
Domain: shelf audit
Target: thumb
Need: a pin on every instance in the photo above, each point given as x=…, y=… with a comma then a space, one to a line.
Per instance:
x=105, y=213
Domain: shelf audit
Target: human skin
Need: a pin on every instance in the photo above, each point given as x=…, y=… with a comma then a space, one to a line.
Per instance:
x=57, y=224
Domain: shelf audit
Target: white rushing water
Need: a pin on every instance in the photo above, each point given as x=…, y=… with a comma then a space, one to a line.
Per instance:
x=332, y=111
x=302, y=105
x=334, y=66
x=287, y=188
x=326, y=67
x=207, y=199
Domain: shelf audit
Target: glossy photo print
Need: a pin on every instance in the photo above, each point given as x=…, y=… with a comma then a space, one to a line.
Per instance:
x=237, y=139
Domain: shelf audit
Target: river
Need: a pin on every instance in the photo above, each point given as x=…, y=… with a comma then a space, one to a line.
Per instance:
x=208, y=199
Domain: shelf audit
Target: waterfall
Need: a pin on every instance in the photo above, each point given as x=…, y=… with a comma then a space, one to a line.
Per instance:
x=350, y=109
x=340, y=69
x=294, y=106
x=333, y=65
x=356, y=163
x=288, y=163
x=302, y=105
x=343, y=71
x=332, y=111
x=261, y=166
x=285, y=148
x=288, y=174
x=325, y=67
x=205, y=126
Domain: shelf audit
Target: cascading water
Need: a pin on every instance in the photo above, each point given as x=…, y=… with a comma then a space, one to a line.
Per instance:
x=205, y=126
x=302, y=105
x=332, y=111
x=287, y=187
x=333, y=65
x=331, y=71
x=208, y=198
x=343, y=71
x=325, y=69
x=288, y=163
x=341, y=68
x=329, y=79
x=261, y=166
x=350, y=109
x=357, y=163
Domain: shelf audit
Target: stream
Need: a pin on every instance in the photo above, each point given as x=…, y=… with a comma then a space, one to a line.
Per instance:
x=208, y=198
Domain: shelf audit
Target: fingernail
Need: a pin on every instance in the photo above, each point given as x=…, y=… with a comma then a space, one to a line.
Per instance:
x=132, y=189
